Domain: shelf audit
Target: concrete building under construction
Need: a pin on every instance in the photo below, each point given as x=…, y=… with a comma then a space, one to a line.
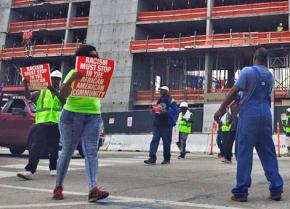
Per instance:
x=196, y=47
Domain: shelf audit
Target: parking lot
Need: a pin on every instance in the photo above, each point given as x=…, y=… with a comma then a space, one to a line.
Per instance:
x=200, y=181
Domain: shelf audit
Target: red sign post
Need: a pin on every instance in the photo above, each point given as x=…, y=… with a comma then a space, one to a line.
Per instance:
x=97, y=76
x=38, y=76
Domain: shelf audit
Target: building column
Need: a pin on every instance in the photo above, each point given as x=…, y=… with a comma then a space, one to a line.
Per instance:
x=208, y=63
x=167, y=73
x=70, y=13
x=288, y=15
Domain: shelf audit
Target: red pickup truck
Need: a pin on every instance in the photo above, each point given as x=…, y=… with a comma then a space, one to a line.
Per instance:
x=17, y=121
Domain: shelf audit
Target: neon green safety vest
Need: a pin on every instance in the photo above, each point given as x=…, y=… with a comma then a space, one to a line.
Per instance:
x=280, y=28
x=48, y=108
x=287, y=128
x=226, y=127
x=184, y=126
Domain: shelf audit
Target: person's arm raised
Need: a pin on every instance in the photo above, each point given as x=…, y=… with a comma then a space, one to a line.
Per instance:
x=66, y=89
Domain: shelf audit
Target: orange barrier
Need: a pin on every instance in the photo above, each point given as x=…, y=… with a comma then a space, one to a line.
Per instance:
x=178, y=95
x=190, y=95
x=79, y=22
x=47, y=24
x=37, y=25
x=279, y=140
x=210, y=41
x=221, y=11
x=213, y=127
x=19, y=3
x=40, y=51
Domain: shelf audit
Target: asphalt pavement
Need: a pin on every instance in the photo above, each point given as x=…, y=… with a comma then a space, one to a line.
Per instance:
x=200, y=181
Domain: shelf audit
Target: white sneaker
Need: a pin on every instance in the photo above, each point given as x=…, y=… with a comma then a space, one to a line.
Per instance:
x=27, y=175
x=52, y=172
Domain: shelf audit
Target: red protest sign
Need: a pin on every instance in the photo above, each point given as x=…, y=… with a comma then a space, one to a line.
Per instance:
x=97, y=76
x=38, y=76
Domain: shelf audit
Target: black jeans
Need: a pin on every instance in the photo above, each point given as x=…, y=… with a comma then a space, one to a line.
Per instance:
x=45, y=137
x=228, y=141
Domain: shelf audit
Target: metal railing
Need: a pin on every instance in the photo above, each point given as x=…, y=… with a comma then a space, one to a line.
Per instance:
x=210, y=41
x=217, y=12
x=40, y=51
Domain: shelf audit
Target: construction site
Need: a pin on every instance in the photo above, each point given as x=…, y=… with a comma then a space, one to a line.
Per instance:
x=195, y=47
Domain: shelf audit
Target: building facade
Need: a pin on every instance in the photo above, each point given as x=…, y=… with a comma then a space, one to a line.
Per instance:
x=196, y=47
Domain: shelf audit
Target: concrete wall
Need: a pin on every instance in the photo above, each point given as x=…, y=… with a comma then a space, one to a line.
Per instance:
x=5, y=6
x=112, y=25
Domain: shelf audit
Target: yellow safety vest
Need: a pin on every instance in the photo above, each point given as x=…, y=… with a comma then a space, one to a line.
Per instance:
x=226, y=127
x=280, y=28
x=48, y=108
x=184, y=126
x=287, y=127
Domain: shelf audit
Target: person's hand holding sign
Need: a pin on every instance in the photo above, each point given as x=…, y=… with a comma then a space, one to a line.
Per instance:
x=77, y=76
x=67, y=88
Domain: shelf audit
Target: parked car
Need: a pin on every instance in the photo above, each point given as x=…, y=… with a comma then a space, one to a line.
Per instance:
x=17, y=121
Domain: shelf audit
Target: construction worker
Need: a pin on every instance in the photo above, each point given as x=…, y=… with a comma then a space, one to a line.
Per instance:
x=254, y=127
x=287, y=130
x=184, y=122
x=219, y=141
x=225, y=135
x=165, y=111
x=46, y=134
x=280, y=27
x=80, y=122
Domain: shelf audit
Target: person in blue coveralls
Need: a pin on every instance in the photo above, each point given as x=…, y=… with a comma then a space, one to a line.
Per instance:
x=254, y=127
x=164, y=120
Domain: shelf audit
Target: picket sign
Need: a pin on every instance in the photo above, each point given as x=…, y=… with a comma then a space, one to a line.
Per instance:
x=97, y=74
x=38, y=76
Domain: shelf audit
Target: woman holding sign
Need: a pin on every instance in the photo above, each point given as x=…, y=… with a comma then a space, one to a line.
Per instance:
x=79, y=121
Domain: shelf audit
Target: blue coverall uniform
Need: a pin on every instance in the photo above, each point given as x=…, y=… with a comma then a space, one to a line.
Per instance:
x=162, y=128
x=255, y=130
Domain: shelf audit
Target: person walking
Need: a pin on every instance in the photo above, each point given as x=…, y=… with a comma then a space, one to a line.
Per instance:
x=226, y=136
x=254, y=127
x=286, y=127
x=79, y=122
x=46, y=134
x=219, y=141
x=163, y=122
x=184, y=122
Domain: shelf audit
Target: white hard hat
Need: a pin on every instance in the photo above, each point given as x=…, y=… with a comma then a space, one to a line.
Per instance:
x=288, y=110
x=281, y=24
x=164, y=88
x=183, y=104
x=56, y=74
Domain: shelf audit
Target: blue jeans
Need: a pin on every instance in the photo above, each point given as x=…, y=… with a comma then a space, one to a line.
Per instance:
x=76, y=127
x=166, y=134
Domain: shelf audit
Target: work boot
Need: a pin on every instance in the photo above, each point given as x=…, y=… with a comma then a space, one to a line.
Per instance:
x=26, y=175
x=181, y=156
x=277, y=197
x=239, y=199
x=226, y=161
x=57, y=193
x=97, y=194
x=165, y=162
x=150, y=161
